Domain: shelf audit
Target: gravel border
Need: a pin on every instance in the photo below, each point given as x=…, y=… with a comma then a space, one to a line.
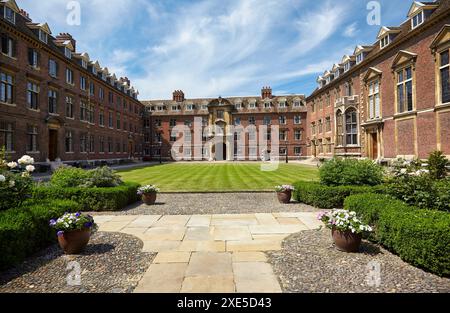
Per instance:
x=213, y=203
x=309, y=263
x=112, y=263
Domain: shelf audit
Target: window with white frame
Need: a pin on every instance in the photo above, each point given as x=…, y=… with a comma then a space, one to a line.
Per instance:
x=298, y=150
x=297, y=120
x=6, y=88
x=83, y=83
x=32, y=95
x=204, y=107
x=374, y=99
x=444, y=69
x=189, y=107
x=405, y=90
x=52, y=101
x=52, y=68
x=67, y=53
x=84, y=63
x=267, y=105
x=33, y=58
x=69, y=76
x=238, y=106
x=347, y=66
x=10, y=15
x=359, y=58
x=32, y=138
x=282, y=104
x=384, y=41
x=417, y=20
x=297, y=103
x=297, y=135
x=267, y=120
x=43, y=36
x=69, y=106
x=282, y=120
x=175, y=108
x=351, y=127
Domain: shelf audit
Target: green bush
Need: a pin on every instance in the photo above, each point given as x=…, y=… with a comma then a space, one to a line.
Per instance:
x=25, y=230
x=102, y=177
x=14, y=190
x=421, y=191
x=92, y=199
x=347, y=172
x=420, y=237
x=437, y=165
x=70, y=177
x=66, y=177
x=326, y=197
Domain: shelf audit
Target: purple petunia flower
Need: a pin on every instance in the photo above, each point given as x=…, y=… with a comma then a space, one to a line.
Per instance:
x=78, y=214
x=60, y=233
x=88, y=225
x=52, y=222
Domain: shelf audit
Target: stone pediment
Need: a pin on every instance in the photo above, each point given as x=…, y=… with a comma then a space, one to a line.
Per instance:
x=403, y=57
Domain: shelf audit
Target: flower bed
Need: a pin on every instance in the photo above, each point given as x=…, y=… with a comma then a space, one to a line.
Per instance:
x=92, y=199
x=420, y=237
x=25, y=230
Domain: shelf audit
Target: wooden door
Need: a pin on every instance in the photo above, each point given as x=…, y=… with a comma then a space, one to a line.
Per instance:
x=374, y=146
x=52, y=144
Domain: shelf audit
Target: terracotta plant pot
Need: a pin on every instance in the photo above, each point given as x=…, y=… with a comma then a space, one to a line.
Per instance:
x=285, y=197
x=149, y=198
x=346, y=241
x=74, y=242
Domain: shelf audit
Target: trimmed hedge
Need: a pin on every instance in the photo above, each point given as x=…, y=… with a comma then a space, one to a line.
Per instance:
x=93, y=199
x=25, y=230
x=326, y=197
x=420, y=237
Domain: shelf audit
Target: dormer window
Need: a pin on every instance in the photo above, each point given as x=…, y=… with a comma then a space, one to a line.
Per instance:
x=267, y=105
x=417, y=20
x=347, y=67
x=10, y=15
x=104, y=76
x=336, y=74
x=384, y=41
x=204, y=107
x=84, y=63
x=175, y=108
x=68, y=53
x=282, y=104
x=94, y=70
x=252, y=105
x=359, y=58
x=189, y=107
x=43, y=36
x=238, y=106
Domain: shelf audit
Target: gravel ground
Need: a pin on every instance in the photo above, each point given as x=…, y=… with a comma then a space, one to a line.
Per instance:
x=112, y=263
x=309, y=263
x=213, y=203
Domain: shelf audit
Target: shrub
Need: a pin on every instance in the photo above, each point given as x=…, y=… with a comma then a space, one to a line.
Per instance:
x=346, y=172
x=25, y=230
x=326, y=197
x=420, y=191
x=102, y=177
x=437, y=165
x=66, y=177
x=420, y=237
x=92, y=199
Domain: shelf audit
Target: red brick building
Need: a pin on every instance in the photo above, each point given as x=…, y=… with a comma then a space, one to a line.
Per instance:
x=389, y=99
x=287, y=112
x=56, y=103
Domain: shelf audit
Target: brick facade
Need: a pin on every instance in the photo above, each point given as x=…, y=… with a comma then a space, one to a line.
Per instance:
x=390, y=130
x=42, y=128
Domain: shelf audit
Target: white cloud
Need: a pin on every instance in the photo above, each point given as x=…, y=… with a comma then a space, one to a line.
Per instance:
x=350, y=30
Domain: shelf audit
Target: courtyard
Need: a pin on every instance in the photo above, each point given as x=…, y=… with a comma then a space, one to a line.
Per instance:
x=218, y=177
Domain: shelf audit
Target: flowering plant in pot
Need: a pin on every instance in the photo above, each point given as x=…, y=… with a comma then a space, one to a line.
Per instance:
x=148, y=193
x=284, y=193
x=346, y=227
x=74, y=231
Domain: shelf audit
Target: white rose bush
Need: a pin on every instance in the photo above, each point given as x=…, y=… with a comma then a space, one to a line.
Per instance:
x=15, y=180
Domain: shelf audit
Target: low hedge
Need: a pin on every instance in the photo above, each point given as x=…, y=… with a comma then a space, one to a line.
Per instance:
x=25, y=230
x=93, y=199
x=420, y=237
x=326, y=197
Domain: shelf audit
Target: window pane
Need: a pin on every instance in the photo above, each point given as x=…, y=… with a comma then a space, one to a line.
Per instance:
x=444, y=58
x=409, y=95
x=408, y=73
x=400, y=99
x=445, y=85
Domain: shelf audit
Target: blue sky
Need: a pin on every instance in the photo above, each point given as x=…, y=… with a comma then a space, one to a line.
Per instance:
x=209, y=48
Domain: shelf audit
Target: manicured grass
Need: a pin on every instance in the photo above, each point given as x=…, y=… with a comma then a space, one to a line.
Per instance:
x=204, y=177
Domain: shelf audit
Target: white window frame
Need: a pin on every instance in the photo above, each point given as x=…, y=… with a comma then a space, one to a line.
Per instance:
x=385, y=41
x=297, y=120
x=67, y=53
x=252, y=105
x=282, y=104
x=84, y=63
x=415, y=19
x=190, y=107
x=174, y=108
x=374, y=95
x=69, y=76
x=8, y=9
x=347, y=66
x=359, y=57
x=43, y=36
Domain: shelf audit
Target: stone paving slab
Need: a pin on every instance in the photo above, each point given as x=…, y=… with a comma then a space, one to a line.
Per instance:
x=210, y=253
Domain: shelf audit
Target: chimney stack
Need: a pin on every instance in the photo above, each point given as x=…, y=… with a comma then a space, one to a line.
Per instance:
x=25, y=15
x=66, y=36
x=266, y=93
x=178, y=96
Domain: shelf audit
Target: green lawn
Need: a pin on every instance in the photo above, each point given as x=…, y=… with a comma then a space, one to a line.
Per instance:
x=182, y=177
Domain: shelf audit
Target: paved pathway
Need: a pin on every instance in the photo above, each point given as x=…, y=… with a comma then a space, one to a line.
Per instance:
x=210, y=253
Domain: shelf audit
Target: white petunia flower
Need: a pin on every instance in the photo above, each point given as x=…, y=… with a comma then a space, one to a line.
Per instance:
x=12, y=165
x=30, y=168
x=2, y=178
